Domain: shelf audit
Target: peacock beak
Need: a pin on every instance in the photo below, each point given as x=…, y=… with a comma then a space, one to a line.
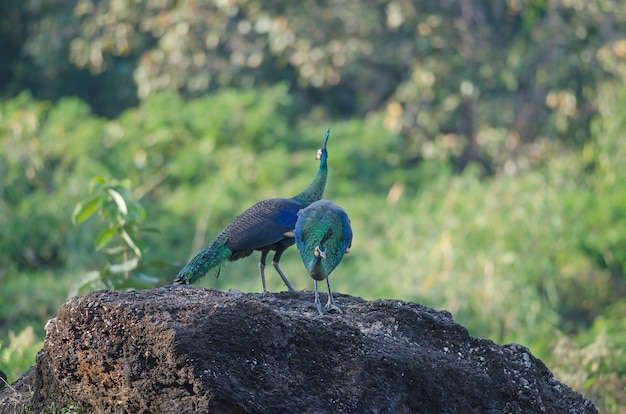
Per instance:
x=319, y=252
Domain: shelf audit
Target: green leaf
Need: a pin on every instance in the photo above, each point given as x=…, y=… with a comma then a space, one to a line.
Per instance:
x=124, y=267
x=119, y=200
x=136, y=211
x=115, y=250
x=96, y=184
x=129, y=241
x=85, y=209
x=105, y=237
x=140, y=245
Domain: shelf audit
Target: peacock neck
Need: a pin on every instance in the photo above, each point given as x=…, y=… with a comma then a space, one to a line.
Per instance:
x=315, y=269
x=315, y=190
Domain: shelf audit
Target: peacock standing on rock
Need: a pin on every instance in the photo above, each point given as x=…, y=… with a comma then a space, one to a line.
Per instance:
x=267, y=225
x=323, y=235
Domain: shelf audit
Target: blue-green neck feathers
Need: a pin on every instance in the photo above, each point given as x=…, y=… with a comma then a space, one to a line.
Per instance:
x=315, y=190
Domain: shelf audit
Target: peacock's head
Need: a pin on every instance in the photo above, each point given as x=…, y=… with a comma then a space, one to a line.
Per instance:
x=320, y=251
x=322, y=151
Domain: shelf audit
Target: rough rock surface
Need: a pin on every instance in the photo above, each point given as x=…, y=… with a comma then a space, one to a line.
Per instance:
x=180, y=349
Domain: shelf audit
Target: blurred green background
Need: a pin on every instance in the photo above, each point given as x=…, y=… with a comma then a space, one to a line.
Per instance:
x=478, y=147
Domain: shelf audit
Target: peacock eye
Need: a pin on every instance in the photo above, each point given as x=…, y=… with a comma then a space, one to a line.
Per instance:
x=319, y=154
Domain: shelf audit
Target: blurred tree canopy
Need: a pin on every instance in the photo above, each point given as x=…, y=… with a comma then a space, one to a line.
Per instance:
x=469, y=82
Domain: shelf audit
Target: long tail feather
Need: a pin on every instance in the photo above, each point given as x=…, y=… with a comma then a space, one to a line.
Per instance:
x=215, y=254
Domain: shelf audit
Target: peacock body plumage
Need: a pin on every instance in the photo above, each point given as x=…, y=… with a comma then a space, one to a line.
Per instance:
x=323, y=235
x=266, y=226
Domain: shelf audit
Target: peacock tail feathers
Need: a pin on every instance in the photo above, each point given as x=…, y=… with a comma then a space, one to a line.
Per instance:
x=213, y=255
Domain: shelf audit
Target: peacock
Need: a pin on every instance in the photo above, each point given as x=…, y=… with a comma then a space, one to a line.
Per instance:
x=323, y=235
x=266, y=226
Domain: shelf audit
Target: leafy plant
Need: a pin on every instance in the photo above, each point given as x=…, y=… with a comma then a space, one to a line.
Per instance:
x=120, y=240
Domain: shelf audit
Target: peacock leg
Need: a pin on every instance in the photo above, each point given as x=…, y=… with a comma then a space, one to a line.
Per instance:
x=317, y=302
x=262, y=269
x=331, y=305
x=280, y=272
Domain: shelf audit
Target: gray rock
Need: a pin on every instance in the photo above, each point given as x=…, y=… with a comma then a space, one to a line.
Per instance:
x=181, y=349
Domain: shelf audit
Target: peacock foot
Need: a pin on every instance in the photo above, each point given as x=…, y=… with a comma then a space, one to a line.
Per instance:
x=320, y=309
x=333, y=308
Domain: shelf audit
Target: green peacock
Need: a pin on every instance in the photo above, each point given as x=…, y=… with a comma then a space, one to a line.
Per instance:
x=323, y=235
x=266, y=226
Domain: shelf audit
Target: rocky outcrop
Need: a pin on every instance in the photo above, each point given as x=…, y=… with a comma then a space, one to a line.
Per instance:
x=180, y=349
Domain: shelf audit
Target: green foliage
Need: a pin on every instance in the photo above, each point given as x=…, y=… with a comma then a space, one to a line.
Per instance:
x=594, y=359
x=119, y=240
x=606, y=205
x=19, y=354
x=52, y=151
x=595, y=363
x=30, y=299
x=468, y=82
x=42, y=146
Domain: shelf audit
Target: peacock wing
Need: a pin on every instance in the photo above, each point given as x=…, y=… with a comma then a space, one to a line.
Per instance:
x=263, y=224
